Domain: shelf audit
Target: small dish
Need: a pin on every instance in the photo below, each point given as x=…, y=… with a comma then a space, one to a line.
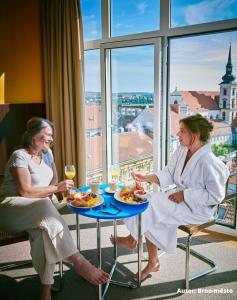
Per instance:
x=107, y=190
x=141, y=194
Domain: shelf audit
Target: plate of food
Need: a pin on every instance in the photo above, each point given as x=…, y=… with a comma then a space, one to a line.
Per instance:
x=85, y=200
x=131, y=196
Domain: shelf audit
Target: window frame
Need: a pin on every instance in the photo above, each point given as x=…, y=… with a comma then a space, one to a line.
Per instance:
x=164, y=34
x=106, y=99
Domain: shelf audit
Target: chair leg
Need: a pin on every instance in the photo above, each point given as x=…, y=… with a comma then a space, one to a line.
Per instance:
x=78, y=232
x=199, y=256
x=187, y=262
x=54, y=288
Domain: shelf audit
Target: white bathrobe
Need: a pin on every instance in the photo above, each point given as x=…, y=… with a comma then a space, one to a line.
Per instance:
x=203, y=182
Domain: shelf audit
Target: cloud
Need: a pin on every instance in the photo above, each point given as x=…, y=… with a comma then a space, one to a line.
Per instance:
x=89, y=17
x=198, y=63
x=206, y=11
x=142, y=7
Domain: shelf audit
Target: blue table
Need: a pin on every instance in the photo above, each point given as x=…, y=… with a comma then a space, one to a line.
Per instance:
x=111, y=209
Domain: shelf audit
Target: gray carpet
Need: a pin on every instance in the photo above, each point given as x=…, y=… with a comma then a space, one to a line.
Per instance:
x=168, y=283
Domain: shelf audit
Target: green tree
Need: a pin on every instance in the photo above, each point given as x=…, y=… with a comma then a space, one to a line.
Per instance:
x=219, y=149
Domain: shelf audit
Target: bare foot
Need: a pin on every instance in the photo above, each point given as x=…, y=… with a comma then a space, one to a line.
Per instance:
x=150, y=268
x=88, y=271
x=124, y=242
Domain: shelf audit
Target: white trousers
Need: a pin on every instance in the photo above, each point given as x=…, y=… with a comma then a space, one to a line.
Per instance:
x=49, y=235
x=161, y=219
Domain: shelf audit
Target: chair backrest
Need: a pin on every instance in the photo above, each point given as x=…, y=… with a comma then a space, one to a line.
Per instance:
x=7, y=238
x=230, y=193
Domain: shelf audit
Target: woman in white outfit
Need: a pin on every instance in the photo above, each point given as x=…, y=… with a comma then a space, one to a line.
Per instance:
x=199, y=177
x=30, y=180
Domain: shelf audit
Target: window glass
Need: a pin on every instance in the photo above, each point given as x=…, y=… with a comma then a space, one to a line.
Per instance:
x=93, y=114
x=202, y=80
x=190, y=12
x=132, y=16
x=132, y=109
x=91, y=19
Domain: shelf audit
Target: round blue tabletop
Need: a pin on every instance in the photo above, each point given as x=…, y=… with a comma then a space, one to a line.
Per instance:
x=110, y=208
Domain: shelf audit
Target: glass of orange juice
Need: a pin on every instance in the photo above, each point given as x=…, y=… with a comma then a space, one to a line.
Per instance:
x=70, y=173
x=115, y=172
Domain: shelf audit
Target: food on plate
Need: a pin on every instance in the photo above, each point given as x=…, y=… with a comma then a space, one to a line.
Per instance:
x=124, y=191
x=131, y=196
x=82, y=199
x=140, y=192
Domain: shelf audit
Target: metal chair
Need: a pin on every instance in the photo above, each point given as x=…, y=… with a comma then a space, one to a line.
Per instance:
x=193, y=229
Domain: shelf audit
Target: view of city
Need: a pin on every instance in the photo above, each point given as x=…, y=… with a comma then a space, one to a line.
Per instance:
x=132, y=126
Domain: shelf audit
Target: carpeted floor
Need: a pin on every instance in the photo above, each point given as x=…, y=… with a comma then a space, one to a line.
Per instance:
x=168, y=283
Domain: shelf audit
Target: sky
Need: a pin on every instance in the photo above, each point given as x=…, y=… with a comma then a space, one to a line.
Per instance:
x=196, y=63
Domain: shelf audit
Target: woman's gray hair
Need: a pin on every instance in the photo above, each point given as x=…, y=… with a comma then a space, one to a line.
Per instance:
x=33, y=127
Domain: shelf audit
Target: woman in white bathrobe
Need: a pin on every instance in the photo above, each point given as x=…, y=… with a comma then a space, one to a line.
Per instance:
x=199, y=177
x=30, y=179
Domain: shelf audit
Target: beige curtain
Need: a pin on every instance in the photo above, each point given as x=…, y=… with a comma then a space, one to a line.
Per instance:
x=63, y=79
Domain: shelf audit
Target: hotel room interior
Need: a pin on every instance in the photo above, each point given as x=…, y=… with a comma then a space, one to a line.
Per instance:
x=115, y=77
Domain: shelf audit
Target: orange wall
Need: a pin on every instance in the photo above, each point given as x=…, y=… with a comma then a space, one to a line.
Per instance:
x=21, y=51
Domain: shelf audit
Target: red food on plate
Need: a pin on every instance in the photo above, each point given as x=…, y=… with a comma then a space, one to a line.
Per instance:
x=141, y=192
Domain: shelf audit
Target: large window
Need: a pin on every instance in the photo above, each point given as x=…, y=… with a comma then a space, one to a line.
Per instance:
x=197, y=68
x=93, y=115
x=132, y=107
x=134, y=90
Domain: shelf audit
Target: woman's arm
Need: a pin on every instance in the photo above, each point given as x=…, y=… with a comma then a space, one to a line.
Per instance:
x=151, y=178
x=25, y=189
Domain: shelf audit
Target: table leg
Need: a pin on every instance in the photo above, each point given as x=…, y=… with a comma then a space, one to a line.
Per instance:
x=115, y=240
x=128, y=284
x=78, y=232
x=140, y=250
x=99, y=255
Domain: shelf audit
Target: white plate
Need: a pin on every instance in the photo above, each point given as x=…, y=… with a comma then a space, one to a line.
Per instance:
x=100, y=191
x=101, y=201
x=117, y=197
x=107, y=190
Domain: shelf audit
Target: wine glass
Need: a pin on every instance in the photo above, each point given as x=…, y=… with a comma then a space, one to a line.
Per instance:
x=115, y=172
x=70, y=173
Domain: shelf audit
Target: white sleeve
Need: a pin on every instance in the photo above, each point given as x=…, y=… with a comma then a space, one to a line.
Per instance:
x=216, y=175
x=18, y=160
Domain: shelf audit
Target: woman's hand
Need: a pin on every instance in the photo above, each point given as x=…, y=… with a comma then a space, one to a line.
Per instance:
x=65, y=185
x=177, y=197
x=151, y=178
